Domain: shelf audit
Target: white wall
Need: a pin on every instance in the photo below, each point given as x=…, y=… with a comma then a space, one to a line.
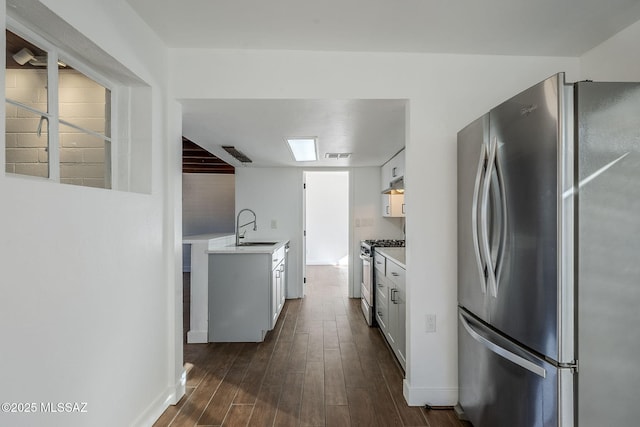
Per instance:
x=445, y=92
x=366, y=219
x=208, y=206
x=327, y=212
x=208, y=203
x=86, y=313
x=275, y=194
x=616, y=59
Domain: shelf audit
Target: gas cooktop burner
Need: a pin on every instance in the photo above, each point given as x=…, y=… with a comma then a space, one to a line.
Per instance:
x=388, y=243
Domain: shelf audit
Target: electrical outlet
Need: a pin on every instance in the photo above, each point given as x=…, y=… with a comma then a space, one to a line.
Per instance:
x=274, y=224
x=430, y=323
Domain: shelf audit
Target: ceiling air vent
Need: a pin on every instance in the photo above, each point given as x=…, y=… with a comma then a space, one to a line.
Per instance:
x=239, y=155
x=337, y=155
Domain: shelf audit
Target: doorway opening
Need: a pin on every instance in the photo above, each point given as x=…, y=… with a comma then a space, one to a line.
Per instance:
x=326, y=226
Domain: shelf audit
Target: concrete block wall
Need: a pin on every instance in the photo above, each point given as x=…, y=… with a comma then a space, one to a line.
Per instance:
x=84, y=158
x=26, y=152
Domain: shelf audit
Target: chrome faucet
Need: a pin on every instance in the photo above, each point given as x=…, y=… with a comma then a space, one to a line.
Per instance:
x=238, y=226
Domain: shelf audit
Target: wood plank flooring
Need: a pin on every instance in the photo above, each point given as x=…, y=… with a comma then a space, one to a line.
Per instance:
x=320, y=366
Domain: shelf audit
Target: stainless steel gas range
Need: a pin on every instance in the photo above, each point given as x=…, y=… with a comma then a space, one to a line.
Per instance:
x=366, y=286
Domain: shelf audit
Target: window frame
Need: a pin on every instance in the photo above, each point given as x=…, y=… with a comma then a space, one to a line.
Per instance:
x=54, y=54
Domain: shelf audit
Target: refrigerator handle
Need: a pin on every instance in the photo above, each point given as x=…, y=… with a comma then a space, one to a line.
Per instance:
x=503, y=225
x=503, y=352
x=474, y=219
x=484, y=220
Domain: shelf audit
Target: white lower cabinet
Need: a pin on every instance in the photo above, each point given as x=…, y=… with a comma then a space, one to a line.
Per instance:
x=278, y=287
x=391, y=305
x=397, y=310
x=246, y=294
x=382, y=303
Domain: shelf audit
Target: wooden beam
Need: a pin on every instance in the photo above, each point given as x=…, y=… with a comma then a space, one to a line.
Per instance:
x=196, y=159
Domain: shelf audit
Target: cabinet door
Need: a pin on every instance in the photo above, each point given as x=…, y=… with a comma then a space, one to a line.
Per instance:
x=382, y=303
x=385, y=175
x=275, y=279
x=397, y=205
x=392, y=170
x=386, y=205
x=392, y=318
x=393, y=205
x=283, y=286
x=401, y=327
x=380, y=263
x=397, y=166
x=397, y=311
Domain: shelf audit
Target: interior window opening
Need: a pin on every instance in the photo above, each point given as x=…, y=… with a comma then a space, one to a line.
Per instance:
x=58, y=124
x=27, y=109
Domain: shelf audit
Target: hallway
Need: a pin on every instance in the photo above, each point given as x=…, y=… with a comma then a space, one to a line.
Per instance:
x=320, y=366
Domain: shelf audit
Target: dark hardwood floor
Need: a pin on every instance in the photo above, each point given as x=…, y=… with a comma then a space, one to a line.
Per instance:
x=320, y=366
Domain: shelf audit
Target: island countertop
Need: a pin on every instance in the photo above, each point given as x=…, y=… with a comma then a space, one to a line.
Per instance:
x=231, y=248
x=197, y=238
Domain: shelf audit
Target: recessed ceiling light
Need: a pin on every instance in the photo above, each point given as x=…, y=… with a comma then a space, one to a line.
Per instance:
x=303, y=149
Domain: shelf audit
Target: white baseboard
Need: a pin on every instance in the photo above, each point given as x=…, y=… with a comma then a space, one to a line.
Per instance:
x=420, y=396
x=197, y=337
x=170, y=396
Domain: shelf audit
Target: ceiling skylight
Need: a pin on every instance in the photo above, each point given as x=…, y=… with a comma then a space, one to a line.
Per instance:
x=303, y=149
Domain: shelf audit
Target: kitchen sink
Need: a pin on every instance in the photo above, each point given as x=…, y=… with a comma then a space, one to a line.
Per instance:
x=257, y=244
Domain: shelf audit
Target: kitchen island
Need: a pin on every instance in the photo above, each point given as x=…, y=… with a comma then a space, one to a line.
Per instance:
x=199, y=268
x=246, y=290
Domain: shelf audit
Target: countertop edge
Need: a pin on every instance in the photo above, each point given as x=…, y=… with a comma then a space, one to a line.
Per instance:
x=200, y=238
x=390, y=253
x=232, y=249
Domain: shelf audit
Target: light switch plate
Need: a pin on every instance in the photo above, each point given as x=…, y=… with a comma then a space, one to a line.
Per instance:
x=430, y=323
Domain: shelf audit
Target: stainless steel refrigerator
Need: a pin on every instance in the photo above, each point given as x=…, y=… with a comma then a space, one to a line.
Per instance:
x=549, y=258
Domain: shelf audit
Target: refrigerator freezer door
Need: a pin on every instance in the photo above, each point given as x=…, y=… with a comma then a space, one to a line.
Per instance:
x=527, y=131
x=503, y=385
x=609, y=253
x=473, y=147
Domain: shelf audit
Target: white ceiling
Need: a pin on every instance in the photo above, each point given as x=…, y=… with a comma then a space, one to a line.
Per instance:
x=505, y=27
x=373, y=130
x=509, y=27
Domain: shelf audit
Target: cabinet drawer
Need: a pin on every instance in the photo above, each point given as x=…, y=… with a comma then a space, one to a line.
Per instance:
x=277, y=256
x=381, y=263
x=381, y=315
x=395, y=272
x=381, y=291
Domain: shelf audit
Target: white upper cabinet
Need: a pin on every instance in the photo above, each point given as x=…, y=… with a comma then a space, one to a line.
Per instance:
x=392, y=203
x=392, y=170
x=397, y=166
x=385, y=176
